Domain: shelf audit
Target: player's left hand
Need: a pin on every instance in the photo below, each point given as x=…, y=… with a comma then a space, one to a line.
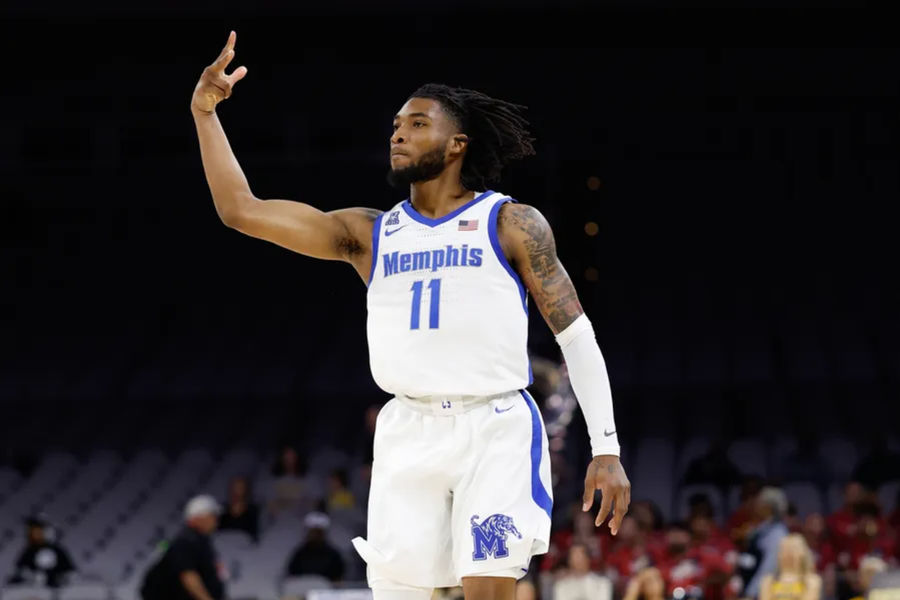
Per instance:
x=605, y=473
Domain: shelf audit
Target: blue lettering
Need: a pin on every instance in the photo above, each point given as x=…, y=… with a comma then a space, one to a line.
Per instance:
x=475, y=257
x=405, y=259
x=390, y=263
x=452, y=256
x=437, y=259
x=420, y=260
x=488, y=544
x=465, y=250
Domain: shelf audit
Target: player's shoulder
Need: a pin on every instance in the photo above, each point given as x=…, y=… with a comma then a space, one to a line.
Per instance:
x=516, y=219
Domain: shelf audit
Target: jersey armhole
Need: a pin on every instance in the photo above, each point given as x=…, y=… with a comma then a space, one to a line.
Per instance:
x=498, y=249
x=376, y=235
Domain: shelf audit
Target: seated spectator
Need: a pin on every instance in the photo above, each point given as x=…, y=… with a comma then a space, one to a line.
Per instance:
x=241, y=513
x=795, y=577
x=705, y=534
x=43, y=561
x=631, y=554
x=760, y=557
x=646, y=585
x=741, y=521
x=692, y=572
x=869, y=567
x=289, y=493
x=880, y=465
x=339, y=496
x=578, y=582
x=584, y=532
x=650, y=521
x=842, y=522
x=315, y=556
x=871, y=538
x=822, y=550
x=700, y=504
x=713, y=467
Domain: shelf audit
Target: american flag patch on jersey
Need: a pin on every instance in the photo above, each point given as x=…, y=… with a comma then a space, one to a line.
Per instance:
x=468, y=225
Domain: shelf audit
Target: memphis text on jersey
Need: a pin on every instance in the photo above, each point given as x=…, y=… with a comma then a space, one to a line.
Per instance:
x=450, y=256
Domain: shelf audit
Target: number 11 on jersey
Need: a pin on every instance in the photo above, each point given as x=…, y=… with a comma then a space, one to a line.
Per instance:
x=434, y=286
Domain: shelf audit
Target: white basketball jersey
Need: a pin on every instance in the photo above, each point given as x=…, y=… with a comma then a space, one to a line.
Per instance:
x=447, y=313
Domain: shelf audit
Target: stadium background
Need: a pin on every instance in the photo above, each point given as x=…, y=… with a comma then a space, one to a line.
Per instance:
x=741, y=279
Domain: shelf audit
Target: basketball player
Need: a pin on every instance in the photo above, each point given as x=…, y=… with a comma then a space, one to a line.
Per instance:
x=461, y=476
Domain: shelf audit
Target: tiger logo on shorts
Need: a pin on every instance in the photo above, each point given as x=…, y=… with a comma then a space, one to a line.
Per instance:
x=489, y=536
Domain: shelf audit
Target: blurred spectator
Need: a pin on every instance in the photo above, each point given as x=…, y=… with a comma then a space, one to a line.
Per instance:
x=869, y=567
x=760, y=558
x=842, y=522
x=584, y=532
x=241, y=513
x=804, y=463
x=741, y=521
x=792, y=519
x=289, y=493
x=705, y=534
x=700, y=504
x=872, y=538
x=650, y=520
x=713, y=467
x=646, y=585
x=894, y=517
x=315, y=556
x=692, y=572
x=339, y=496
x=189, y=569
x=880, y=465
x=578, y=582
x=822, y=549
x=795, y=577
x=43, y=561
x=631, y=554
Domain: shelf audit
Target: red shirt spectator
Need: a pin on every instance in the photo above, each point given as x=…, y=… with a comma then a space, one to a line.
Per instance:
x=584, y=532
x=700, y=568
x=842, y=522
x=872, y=538
x=816, y=536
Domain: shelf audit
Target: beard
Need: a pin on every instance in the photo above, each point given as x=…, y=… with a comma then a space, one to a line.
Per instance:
x=429, y=166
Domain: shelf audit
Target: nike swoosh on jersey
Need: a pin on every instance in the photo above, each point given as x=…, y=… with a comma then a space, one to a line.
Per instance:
x=608, y=434
x=393, y=231
x=498, y=411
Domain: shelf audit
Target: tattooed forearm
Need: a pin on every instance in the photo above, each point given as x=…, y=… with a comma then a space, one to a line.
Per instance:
x=526, y=235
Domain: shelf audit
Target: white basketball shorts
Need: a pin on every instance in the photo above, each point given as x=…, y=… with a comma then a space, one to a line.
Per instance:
x=460, y=487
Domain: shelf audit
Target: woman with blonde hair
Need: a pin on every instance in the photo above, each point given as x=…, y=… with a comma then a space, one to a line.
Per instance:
x=795, y=578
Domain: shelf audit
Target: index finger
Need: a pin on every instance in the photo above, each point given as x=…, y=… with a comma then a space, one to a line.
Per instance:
x=229, y=45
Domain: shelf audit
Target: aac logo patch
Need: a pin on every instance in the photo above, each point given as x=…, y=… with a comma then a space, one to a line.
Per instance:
x=489, y=537
x=394, y=218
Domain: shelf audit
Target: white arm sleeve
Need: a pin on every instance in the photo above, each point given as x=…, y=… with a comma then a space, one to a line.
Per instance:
x=587, y=374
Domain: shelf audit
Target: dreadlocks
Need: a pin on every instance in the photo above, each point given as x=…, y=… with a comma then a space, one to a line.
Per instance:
x=497, y=131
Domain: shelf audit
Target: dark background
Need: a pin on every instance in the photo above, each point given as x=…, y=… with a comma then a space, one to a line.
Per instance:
x=743, y=281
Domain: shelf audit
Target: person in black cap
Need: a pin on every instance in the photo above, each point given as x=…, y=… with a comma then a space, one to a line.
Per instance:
x=189, y=569
x=43, y=561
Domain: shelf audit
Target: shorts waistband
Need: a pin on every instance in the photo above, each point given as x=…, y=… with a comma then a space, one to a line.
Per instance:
x=448, y=405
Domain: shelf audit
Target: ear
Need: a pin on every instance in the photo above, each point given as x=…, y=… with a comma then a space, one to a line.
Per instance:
x=459, y=143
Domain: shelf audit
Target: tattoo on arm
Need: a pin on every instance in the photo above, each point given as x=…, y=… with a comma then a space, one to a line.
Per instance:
x=533, y=251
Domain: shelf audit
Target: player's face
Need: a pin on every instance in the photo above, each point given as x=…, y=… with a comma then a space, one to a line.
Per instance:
x=422, y=136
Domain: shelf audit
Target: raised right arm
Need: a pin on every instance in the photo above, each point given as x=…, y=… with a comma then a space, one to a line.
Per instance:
x=343, y=234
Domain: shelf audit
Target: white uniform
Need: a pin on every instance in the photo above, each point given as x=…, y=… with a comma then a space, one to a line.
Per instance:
x=461, y=476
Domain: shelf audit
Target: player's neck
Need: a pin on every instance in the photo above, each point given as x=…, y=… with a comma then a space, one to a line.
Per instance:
x=438, y=197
